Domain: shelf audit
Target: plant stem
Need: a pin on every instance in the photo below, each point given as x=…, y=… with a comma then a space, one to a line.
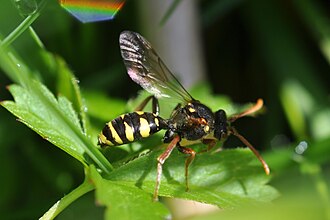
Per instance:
x=36, y=38
x=20, y=29
x=23, y=26
x=60, y=205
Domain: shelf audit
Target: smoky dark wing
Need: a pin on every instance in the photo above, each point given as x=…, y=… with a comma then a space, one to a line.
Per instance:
x=146, y=68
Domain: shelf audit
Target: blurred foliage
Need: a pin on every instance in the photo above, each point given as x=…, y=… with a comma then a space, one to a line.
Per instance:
x=276, y=50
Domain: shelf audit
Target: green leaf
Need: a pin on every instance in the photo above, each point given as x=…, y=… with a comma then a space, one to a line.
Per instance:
x=229, y=178
x=67, y=85
x=55, y=120
x=125, y=202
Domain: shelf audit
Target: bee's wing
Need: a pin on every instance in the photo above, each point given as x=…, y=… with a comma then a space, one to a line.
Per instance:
x=146, y=68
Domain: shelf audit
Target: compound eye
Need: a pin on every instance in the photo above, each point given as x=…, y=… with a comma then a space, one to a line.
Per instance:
x=220, y=126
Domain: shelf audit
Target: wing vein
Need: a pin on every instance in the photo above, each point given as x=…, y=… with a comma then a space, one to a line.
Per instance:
x=145, y=67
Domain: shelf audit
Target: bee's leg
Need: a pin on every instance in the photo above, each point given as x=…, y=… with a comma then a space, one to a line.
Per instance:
x=210, y=143
x=161, y=160
x=256, y=107
x=233, y=131
x=189, y=160
x=155, y=104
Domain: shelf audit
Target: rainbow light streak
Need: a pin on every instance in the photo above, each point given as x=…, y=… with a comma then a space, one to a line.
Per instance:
x=92, y=10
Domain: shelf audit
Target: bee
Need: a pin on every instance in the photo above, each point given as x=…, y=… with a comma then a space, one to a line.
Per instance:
x=190, y=120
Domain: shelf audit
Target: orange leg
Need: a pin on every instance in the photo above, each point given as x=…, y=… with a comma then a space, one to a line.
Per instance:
x=256, y=107
x=161, y=160
x=256, y=153
x=189, y=160
x=210, y=144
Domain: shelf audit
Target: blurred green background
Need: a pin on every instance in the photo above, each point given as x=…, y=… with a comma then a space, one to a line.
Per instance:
x=275, y=50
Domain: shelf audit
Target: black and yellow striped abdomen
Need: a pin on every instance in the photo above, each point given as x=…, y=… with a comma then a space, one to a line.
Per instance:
x=130, y=127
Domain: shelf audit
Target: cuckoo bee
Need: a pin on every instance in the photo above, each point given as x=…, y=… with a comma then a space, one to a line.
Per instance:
x=190, y=120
